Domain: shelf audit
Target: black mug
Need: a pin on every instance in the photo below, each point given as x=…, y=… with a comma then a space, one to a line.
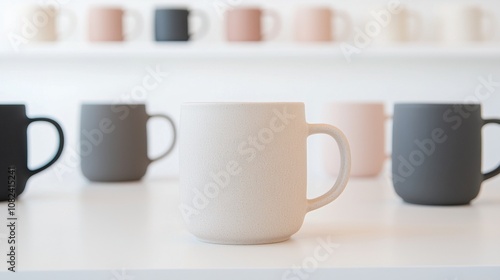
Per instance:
x=436, y=153
x=14, y=149
x=173, y=24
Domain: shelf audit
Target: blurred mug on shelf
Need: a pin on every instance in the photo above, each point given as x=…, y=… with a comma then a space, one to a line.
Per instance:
x=245, y=24
x=38, y=23
x=114, y=142
x=106, y=24
x=14, y=149
x=405, y=26
x=461, y=23
x=243, y=170
x=437, y=153
x=172, y=24
x=364, y=127
x=319, y=24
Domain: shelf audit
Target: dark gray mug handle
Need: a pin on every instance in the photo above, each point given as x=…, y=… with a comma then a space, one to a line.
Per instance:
x=495, y=171
x=174, y=136
x=61, y=143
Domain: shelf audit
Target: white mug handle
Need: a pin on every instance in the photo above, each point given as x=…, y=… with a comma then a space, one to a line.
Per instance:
x=273, y=33
x=345, y=165
x=136, y=31
x=72, y=24
x=346, y=19
x=416, y=32
x=488, y=32
x=204, y=25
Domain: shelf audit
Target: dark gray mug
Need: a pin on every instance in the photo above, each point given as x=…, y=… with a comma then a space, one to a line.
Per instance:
x=173, y=24
x=113, y=141
x=436, y=153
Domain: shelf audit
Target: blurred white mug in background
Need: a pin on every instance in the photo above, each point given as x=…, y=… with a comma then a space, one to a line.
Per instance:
x=462, y=23
x=36, y=23
x=405, y=26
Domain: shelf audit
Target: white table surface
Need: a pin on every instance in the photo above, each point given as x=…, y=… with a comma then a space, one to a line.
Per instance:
x=92, y=231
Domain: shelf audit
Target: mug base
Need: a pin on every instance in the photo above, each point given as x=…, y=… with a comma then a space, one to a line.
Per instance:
x=437, y=204
x=244, y=242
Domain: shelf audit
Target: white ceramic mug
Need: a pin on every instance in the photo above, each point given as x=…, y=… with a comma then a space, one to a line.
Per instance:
x=465, y=23
x=364, y=126
x=404, y=26
x=243, y=170
x=37, y=23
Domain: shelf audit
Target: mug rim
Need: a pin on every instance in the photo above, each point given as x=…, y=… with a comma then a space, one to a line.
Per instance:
x=13, y=105
x=111, y=104
x=179, y=8
x=246, y=9
x=351, y=103
x=410, y=104
x=107, y=8
x=193, y=104
x=314, y=8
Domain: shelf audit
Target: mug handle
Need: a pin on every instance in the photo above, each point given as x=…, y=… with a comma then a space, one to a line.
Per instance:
x=174, y=137
x=416, y=33
x=495, y=171
x=203, y=29
x=59, y=150
x=136, y=31
x=345, y=165
x=72, y=24
x=344, y=17
x=489, y=33
x=273, y=33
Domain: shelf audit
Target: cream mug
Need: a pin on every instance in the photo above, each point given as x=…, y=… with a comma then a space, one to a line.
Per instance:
x=243, y=170
x=37, y=23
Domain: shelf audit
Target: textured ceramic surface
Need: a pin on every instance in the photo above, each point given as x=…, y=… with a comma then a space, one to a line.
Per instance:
x=114, y=142
x=243, y=170
x=436, y=153
x=364, y=126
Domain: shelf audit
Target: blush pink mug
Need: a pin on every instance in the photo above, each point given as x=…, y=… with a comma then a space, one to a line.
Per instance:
x=364, y=126
x=106, y=24
x=319, y=24
x=245, y=24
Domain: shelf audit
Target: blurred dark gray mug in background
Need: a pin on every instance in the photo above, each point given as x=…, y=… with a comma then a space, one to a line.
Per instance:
x=173, y=24
x=113, y=141
x=436, y=153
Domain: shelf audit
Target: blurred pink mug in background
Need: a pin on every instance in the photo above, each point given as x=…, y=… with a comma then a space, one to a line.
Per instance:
x=245, y=24
x=316, y=24
x=364, y=126
x=106, y=24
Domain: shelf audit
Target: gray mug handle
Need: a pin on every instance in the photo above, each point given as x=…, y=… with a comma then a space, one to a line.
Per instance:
x=495, y=171
x=174, y=130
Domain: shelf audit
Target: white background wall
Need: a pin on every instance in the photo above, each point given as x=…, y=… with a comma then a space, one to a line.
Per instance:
x=56, y=87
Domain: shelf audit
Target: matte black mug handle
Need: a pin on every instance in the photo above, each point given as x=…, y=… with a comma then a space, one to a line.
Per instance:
x=61, y=143
x=174, y=131
x=495, y=171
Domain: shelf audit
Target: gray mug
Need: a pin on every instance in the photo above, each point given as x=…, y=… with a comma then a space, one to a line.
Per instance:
x=172, y=24
x=436, y=153
x=113, y=141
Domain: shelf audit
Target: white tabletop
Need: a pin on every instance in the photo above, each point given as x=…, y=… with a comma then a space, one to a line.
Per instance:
x=93, y=231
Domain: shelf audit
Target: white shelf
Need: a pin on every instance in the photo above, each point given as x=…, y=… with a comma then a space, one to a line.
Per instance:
x=89, y=231
x=242, y=51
